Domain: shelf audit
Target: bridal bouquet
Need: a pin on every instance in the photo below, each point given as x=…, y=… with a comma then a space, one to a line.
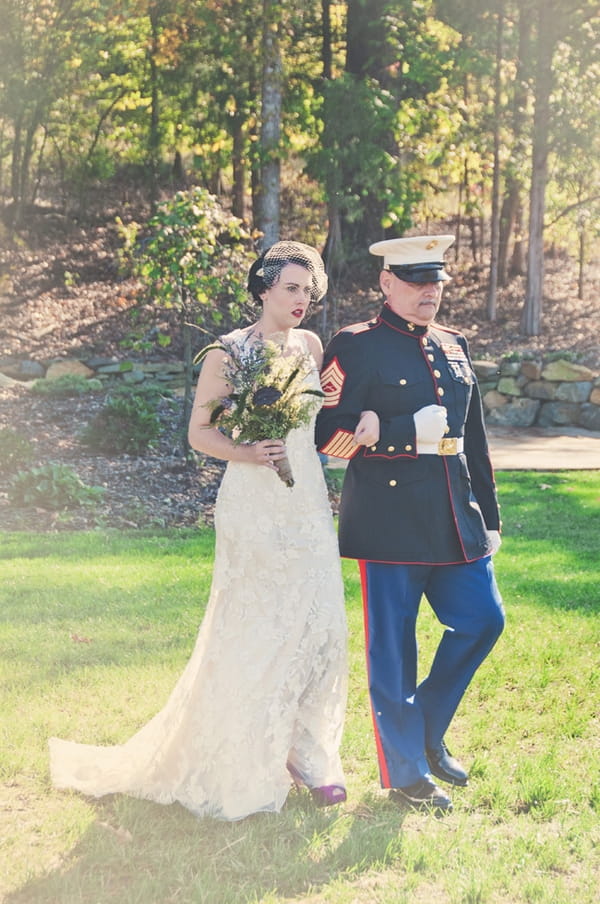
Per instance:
x=268, y=396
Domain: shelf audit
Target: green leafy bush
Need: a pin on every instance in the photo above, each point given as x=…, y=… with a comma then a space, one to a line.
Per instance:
x=15, y=450
x=67, y=385
x=128, y=422
x=192, y=255
x=52, y=486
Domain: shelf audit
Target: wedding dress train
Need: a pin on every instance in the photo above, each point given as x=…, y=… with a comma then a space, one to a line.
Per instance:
x=266, y=683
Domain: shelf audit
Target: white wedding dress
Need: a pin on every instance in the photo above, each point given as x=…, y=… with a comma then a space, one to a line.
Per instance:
x=266, y=682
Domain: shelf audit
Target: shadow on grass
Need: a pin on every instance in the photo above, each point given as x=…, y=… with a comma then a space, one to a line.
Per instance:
x=139, y=851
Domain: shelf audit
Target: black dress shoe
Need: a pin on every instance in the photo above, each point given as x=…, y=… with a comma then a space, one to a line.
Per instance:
x=423, y=795
x=446, y=767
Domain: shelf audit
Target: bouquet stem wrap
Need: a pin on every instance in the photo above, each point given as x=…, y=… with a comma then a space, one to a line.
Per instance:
x=284, y=470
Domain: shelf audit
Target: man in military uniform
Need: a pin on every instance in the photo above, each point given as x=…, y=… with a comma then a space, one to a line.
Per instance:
x=418, y=510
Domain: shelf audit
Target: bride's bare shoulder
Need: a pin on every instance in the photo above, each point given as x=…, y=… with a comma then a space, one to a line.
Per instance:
x=239, y=335
x=313, y=344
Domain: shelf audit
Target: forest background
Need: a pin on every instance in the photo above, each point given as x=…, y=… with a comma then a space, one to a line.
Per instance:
x=376, y=116
x=149, y=148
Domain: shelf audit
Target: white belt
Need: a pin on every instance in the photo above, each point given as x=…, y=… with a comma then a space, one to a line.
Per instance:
x=450, y=445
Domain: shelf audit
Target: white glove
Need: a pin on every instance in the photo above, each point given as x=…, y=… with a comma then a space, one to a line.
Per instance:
x=430, y=423
x=495, y=539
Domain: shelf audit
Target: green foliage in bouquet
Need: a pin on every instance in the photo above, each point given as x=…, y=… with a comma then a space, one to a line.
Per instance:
x=268, y=397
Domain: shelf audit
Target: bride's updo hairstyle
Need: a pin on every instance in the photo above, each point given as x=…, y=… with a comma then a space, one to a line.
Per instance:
x=265, y=272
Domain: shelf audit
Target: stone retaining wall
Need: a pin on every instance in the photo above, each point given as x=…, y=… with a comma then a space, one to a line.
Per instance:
x=550, y=392
x=105, y=369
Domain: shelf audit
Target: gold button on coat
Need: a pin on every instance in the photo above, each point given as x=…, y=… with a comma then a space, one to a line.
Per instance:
x=408, y=448
x=436, y=373
x=373, y=448
x=392, y=483
x=403, y=382
x=391, y=448
x=431, y=357
x=441, y=391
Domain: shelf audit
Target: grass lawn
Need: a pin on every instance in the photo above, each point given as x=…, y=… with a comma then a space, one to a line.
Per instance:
x=96, y=627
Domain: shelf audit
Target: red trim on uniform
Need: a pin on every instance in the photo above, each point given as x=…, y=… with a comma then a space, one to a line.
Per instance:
x=383, y=767
x=440, y=402
x=458, y=533
x=371, y=455
x=429, y=564
x=398, y=329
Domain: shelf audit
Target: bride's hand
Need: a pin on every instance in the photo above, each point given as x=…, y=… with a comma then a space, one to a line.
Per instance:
x=267, y=452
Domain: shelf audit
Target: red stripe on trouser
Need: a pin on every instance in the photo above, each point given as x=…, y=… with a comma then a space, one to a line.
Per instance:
x=385, y=775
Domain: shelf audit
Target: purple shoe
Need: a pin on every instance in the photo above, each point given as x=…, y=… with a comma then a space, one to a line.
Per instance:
x=328, y=795
x=324, y=796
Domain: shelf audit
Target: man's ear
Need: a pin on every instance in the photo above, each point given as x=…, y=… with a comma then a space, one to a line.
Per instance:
x=385, y=278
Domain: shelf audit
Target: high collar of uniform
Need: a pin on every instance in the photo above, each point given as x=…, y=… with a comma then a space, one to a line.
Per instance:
x=399, y=323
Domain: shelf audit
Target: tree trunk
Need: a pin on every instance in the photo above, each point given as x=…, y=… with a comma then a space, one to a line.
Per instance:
x=458, y=240
x=333, y=257
x=188, y=373
x=23, y=175
x=531, y=319
x=178, y=172
x=333, y=252
x=581, y=262
x=15, y=172
x=366, y=38
x=37, y=175
x=512, y=214
x=153, y=134
x=517, y=262
x=272, y=87
x=326, y=51
x=495, y=227
x=239, y=168
x=508, y=220
x=368, y=54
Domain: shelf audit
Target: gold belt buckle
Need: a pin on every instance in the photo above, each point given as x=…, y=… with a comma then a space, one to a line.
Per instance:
x=448, y=446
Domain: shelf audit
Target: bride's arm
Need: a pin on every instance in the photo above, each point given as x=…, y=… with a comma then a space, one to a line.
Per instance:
x=204, y=437
x=315, y=347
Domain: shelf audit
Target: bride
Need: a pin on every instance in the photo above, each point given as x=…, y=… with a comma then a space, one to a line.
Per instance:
x=261, y=701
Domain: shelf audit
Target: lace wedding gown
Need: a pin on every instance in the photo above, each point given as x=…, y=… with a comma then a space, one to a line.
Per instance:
x=266, y=682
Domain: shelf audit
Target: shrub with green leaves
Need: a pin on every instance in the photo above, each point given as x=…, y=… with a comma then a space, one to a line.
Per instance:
x=66, y=385
x=128, y=422
x=192, y=255
x=15, y=450
x=53, y=486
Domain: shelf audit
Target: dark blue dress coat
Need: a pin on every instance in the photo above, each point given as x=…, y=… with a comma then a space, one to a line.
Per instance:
x=398, y=506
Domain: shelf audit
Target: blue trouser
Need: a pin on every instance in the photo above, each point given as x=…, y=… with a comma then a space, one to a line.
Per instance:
x=407, y=718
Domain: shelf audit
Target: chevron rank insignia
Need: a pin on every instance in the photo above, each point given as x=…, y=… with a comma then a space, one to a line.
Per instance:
x=341, y=445
x=332, y=383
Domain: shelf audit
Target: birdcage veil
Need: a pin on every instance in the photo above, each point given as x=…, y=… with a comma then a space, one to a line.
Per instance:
x=281, y=253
